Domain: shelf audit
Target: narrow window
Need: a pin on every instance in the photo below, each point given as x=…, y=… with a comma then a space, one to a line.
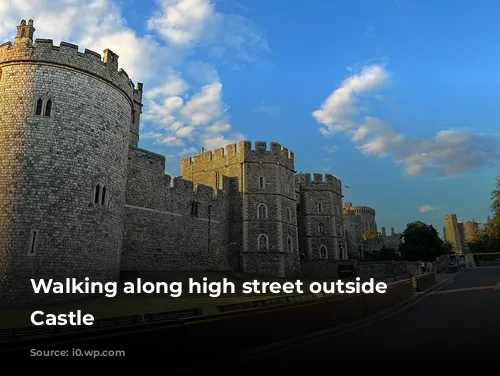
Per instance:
x=133, y=116
x=97, y=192
x=289, y=244
x=217, y=180
x=194, y=209
x=33, y=242
x=288, y=215
x=39, y=106
x=262, y=242
x=323, y=252
x=261, y=182
x=320, y=207
x=48, y=108
x=262, y=211
x=103, y=201
x=321, y=228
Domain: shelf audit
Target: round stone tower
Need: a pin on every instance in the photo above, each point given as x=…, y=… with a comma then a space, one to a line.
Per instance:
x=65, y=123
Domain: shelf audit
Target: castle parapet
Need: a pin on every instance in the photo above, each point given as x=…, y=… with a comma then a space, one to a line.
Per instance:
x=242, y=151
x=318, y=181
x=66, y=55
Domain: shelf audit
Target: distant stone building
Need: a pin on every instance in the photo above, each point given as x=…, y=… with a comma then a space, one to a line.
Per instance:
x=471, y=228
x=458, y=233
x=393, y=240
x=367, y=215
x=354, y=232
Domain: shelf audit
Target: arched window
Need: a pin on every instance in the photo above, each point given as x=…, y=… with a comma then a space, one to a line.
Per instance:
x=321, y=228
x=289, y=244
x=103, y=199
x=323, y=253
x=194, y=209
x=320, y=207
x=39, y=107
x=262, y=211
x=48, y=108
x=97, y=194
x=288, y=215
x=261, y=182
x=262, y=242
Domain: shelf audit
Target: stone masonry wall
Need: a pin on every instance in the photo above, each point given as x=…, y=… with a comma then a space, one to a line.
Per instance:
x=319, y=268
x=387, y=270
x=269, y=167
x=161, y=233
x=50, y=226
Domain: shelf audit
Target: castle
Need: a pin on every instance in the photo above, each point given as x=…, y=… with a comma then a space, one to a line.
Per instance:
x=79, y=198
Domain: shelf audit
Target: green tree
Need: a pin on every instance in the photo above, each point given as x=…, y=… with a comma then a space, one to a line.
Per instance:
x=384, y=254
x=448, y=248
x=421, y=242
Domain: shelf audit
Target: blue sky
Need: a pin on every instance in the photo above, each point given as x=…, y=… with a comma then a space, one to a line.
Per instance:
x=398, y=98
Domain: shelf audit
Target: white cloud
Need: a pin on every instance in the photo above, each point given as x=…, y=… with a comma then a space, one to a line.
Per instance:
x=189, y=23
x=331, y=149
x=449, y=152
x=183, y=99
x=426, y=208
x=182, y=22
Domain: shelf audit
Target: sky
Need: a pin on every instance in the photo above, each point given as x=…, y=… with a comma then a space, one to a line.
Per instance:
x=397, y=98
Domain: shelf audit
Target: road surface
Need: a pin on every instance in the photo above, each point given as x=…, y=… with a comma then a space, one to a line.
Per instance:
x=460, y=319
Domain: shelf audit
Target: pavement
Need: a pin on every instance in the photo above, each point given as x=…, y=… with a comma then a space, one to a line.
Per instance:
x=459, y=320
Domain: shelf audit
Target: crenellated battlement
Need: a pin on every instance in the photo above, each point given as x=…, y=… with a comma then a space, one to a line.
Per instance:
x=319, y=181
x=67, y=55
x=239, y=152
x=149, y=186
x=358, y=210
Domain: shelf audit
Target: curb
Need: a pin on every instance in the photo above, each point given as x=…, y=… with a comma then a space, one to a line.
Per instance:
x=281, y=346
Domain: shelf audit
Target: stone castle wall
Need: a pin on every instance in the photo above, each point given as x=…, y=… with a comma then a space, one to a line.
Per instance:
x=320, y=217
x=80, y=199
x=52, y=225
x=162, y=230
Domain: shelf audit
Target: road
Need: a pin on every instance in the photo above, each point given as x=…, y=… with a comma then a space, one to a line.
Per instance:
x=461, y=319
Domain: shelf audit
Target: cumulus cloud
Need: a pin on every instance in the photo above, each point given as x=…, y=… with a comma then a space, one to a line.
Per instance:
x=426, y=208
x=183, y=99
x=449, y=152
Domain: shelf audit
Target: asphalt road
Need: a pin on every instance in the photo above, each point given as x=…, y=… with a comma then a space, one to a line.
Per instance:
x=459, y=322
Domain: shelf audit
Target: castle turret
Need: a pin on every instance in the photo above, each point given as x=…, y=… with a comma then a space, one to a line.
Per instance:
x=321, y=219
x=65, y=118
x=25, y=33
x=263, y=230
